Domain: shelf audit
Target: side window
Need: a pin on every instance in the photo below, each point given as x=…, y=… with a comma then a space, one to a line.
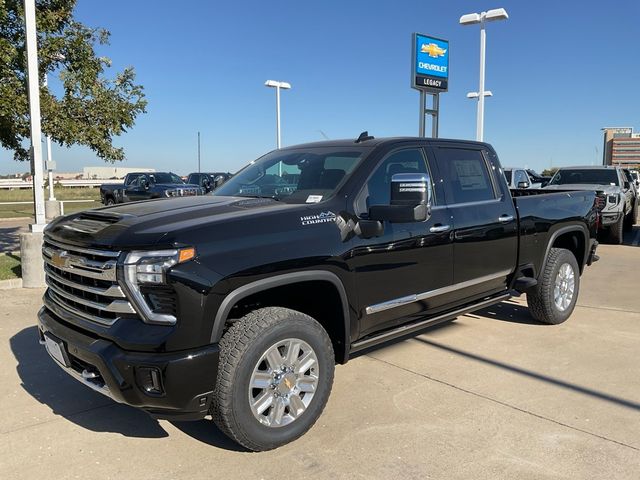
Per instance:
x=465, y=175
x=377, y=191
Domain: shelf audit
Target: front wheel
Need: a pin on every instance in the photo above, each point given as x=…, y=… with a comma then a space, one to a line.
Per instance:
x=110, y=201
x=275, y=376
x=552, y=301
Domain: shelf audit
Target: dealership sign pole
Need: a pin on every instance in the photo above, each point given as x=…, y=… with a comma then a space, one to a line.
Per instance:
x=430, y=76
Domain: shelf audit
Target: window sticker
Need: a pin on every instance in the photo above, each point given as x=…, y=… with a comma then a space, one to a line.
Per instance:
x=470, y=175
x=314, y=198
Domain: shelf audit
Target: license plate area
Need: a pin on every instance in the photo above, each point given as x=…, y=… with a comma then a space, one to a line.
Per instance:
x=56, y=349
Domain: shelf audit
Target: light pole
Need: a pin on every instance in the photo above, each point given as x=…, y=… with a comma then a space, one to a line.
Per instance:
x=49, y=161
x=482, y=18
x=277, y=86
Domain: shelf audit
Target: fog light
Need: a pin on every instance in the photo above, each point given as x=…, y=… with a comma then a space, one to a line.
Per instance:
x=149, y=379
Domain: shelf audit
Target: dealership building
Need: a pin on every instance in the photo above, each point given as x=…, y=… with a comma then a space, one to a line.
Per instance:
x=621, y=147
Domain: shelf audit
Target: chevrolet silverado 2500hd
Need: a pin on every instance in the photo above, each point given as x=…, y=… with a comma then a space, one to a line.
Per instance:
x=240, y=303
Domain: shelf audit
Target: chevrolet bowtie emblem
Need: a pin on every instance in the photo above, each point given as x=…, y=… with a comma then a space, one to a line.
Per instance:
x=60, y=259
x=433, y=50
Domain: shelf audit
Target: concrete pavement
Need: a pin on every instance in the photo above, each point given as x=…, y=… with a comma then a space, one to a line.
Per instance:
x=491, y=395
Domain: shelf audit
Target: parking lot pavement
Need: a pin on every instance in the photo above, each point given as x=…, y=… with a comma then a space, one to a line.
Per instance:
x=491, y=395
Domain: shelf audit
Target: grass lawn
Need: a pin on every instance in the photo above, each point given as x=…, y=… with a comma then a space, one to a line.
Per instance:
x=9, y=266
x=61, y=193
x=92, y=195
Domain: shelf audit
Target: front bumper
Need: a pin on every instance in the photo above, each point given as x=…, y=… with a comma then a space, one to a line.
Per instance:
x=610, y=218
x=186, y=378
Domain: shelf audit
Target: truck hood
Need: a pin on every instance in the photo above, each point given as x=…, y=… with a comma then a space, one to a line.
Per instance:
x=590, y=187
x=147, y=223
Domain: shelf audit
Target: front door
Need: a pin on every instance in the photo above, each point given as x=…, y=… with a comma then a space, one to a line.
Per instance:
x=401, y=274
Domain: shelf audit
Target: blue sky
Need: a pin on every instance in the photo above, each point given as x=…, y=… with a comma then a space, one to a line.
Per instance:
x=559, y=71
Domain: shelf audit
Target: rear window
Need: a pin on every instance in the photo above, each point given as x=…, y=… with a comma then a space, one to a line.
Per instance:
x=585, y=176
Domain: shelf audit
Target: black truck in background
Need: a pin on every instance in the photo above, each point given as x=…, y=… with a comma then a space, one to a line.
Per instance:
x=240, y=303
x=145, y=186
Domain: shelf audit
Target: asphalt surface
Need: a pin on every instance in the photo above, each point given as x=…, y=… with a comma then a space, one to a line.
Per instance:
x=491, y=395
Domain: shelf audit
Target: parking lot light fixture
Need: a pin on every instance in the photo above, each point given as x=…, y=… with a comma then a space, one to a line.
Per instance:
x=481, y=18
x=277, y=85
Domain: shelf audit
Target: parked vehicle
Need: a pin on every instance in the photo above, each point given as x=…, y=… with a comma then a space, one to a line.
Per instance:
x=208, y=181
x=535, y=177
x=240, y=304
x=636, y=196
x=620, y=205
x=519, y=178
x=145, y=186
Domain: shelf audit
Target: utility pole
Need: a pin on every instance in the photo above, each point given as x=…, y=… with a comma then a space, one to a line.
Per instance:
x=198, y=152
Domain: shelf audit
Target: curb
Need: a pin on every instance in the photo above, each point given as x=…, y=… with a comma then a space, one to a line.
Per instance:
x=14, y=219
x=10, y=284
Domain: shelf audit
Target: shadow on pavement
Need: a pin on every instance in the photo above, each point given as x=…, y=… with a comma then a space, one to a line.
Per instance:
x=207, y=432
x=528, y=373
x=508, y=312
x=10, y=238
x=47, y=383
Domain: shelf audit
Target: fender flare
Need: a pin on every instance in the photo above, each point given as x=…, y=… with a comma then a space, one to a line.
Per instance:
x=561, y=231
x=277, y=281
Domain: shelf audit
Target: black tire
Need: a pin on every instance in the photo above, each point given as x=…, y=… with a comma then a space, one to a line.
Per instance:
x=241, y=348
x=110, y=201
x=616, y=231
x=628, y=221
x=541, y=299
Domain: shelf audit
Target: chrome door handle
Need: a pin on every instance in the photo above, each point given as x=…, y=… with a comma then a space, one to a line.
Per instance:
x=505, y=218
x=439, y=228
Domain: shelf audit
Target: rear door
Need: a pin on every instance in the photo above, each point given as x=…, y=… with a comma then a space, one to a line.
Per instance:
x=136, y=190
x=485, y=236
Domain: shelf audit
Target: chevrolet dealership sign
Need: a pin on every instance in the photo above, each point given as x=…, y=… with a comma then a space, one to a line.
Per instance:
x=430, y=63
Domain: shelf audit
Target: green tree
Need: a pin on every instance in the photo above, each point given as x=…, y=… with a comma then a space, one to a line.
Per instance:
x=549, y=172
x=93, y=108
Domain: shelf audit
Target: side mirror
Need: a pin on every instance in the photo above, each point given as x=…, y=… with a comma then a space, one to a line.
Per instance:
x=523, y=185
x=410, y=200
x=369, y=228
x=144, y=184
x=627, y=186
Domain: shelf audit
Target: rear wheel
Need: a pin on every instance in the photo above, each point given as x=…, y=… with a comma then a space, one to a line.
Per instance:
x=552, y=301
x=275, y=376
x=616, y=231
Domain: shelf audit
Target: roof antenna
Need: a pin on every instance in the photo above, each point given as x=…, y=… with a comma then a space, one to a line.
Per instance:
x=364, y=136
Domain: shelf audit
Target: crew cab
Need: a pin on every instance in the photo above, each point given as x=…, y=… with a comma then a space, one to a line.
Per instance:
x=239, y=303
x=147, y=185
x=619, y=202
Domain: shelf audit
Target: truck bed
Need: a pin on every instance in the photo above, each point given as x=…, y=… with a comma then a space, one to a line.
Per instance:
x=542, y=213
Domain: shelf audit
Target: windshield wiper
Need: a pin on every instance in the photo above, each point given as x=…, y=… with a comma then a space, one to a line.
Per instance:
x=259, y=196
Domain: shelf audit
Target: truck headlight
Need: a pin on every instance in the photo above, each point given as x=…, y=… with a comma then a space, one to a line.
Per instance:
x=613, y=199
x=150, y=268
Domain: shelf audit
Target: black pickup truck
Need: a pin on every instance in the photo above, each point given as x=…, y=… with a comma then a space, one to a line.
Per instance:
x=145, y=186
x=240, y=303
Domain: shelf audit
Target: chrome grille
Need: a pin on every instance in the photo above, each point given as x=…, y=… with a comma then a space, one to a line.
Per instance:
x=83, y=282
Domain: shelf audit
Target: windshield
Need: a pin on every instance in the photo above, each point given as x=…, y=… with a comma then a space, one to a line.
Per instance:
x=161, y=177
x=584, y=176
x=295, y=176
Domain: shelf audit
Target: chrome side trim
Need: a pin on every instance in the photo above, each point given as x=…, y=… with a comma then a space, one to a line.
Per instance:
x=116, y=306
x=113, y=291
x=88, y=251
x=416, y=297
